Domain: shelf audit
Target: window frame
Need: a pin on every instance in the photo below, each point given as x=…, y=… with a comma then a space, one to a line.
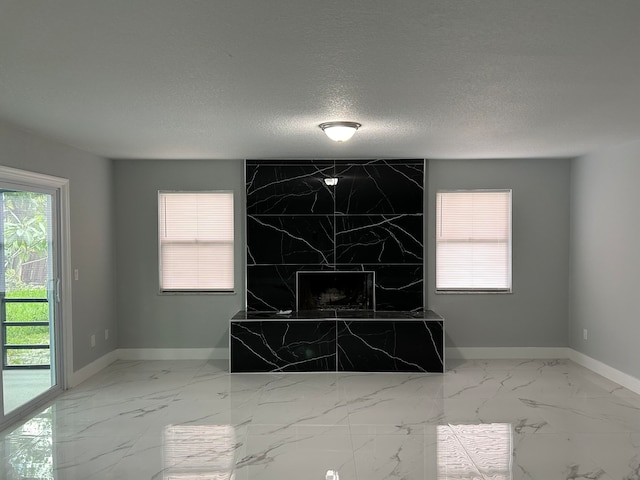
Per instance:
x=483, y=290
x=208, y=291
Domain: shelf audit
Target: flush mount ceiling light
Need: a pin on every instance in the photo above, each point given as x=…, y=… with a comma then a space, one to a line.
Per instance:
x=340, y=131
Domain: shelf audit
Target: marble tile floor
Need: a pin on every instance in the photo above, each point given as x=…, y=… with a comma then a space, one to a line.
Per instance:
x=494, y=419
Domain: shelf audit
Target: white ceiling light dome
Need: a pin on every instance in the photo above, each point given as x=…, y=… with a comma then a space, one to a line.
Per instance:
x=340, y=131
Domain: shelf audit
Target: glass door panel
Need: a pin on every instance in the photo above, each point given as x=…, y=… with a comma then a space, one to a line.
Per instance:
x=27, y=295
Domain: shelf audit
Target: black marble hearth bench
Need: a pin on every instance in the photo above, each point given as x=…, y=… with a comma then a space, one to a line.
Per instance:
x=337, y=340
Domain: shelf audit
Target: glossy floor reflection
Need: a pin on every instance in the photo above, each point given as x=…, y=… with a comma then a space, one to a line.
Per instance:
x=497, y=419
x=21, y=386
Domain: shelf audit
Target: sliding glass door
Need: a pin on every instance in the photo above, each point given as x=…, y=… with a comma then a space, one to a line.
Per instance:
x=29, y=295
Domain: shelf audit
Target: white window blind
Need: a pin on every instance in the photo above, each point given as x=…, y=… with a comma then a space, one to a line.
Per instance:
x=196, y=241
x=473, y=240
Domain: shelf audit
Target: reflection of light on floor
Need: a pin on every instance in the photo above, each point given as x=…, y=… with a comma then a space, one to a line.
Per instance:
x=30, y=448
x=21, y=386
x=199, y=452
x=332, y=475
x=475, y=451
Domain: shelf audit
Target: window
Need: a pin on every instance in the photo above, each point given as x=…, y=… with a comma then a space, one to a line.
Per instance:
x=473, y=241
x=195, y=231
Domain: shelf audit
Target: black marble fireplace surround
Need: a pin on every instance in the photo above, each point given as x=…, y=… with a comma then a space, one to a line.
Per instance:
x=335, y=273
x=337, y=340
x=372, y=220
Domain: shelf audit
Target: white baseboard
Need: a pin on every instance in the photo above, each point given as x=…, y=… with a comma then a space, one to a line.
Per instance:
x=94, y=367
x=605, y=370
x=484, y=353
x=90, y=370
x=173, y=354
x=480, y=353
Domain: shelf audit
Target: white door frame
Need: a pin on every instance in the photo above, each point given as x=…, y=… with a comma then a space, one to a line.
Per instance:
x=64, y=227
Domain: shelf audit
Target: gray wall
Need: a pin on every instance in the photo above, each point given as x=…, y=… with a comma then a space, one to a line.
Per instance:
x=605, y=257
x=536, y=313
x=92, y=227
x=146, y=318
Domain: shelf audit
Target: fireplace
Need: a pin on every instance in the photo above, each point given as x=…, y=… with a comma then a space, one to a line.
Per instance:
x=335, y=290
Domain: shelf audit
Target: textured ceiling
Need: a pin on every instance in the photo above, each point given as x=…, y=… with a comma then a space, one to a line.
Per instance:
x=254, y=78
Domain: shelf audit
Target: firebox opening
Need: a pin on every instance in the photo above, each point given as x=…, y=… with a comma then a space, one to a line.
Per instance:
x=335, y=290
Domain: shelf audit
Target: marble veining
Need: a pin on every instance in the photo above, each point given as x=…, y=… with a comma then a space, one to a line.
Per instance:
x=379, y=239
x=372, y=219
x=390, y=346
x=379, y=187
x=324, y=341
x=273, y=287
x=498, y=419
x=283, y=346
x=297, y=240
x=281, y=189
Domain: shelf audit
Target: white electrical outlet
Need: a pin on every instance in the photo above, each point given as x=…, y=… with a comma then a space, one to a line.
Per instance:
x=584, y=334
x=93, y=340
